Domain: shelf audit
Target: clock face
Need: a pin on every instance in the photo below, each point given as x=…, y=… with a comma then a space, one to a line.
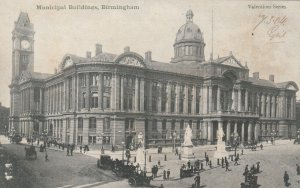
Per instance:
x=25, y=44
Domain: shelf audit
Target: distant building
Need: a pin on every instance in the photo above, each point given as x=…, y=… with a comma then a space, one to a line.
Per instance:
x=4, y=117
x=109, y=98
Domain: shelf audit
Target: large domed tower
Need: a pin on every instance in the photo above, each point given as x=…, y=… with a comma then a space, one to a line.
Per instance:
x=189, y=43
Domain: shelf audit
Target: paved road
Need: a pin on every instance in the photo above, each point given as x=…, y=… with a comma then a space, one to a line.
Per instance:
x=60, y=171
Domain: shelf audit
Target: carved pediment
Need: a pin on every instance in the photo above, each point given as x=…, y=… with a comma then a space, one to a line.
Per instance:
x=131, y=61
x=231, y=61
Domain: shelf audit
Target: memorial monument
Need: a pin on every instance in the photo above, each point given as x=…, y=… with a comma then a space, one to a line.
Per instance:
x=221, y=151
x=187, y=146
x=140, y=153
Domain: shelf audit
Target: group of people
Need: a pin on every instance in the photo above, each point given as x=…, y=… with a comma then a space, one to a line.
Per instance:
x=166, y=174
x=154, y=171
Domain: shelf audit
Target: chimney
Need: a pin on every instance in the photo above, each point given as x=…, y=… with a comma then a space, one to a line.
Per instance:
x=148, y=56
x=98, y=49
x=88, y=54
x=271, y=77
x=127, y=49
x=256, y=75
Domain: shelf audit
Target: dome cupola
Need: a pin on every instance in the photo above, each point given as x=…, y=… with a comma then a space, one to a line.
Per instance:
x=189, y=43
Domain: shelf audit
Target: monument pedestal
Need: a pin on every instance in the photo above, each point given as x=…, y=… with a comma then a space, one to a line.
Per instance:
x=187, y=153
x=221, y=151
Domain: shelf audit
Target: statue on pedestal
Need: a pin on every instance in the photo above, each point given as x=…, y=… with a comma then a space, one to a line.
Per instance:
x=188, y=136
x=140, y=140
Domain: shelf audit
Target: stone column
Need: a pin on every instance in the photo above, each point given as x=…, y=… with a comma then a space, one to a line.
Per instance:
x=159, y=99
x=201, y=100
x=228, y=130
x=249, y=131
x=219, y=99
x=233, y=99
x=142, y=90
x=186, y=97
x=122, y=93
x=177, y=98
x=263, y=106
x=117, y=92
x=235, y=127
x=273, y=107
x=74, y=92
x=204, y=100
x=210, y=104
x=256, y=131
x=239, y=99
x=194, y=100
x=136, y=95
x=209, y=132
x=246, y=101
x=168, y=110
x=268, y=106
x=243, y=132
x=150, y=96
x=88, y=93
x=41, y=101
x=85, y=131
x=204, y=129
x=100, y=91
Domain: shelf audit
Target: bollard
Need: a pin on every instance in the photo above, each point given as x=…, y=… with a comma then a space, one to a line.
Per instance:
x=201, y=166
x=218, y=161
x=165, y=157
x=134, y=159
x=149, y=158
x=205, y=154
x=179, y=156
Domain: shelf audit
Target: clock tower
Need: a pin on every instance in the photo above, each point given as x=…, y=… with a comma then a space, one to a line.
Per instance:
x=23, y=46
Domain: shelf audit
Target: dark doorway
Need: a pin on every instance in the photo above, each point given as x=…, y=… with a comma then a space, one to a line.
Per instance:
x=128, y=141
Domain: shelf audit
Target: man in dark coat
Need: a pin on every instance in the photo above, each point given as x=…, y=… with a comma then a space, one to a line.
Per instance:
x=189, y=164
x=168, y=174
x=227, y=165
x=197, y=181
x=286, y=178
x=165, y=174
x=222, y=162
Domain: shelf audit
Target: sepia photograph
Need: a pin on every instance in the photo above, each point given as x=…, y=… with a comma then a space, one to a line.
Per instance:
x=149, y=93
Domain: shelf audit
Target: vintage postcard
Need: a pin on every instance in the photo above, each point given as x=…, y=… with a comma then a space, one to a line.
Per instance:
x=149, y=93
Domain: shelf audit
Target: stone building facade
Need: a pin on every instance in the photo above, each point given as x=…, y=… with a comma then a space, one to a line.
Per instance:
x=110, y=98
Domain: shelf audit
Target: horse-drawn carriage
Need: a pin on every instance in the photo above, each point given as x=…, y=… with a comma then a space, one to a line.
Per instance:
x=139, y=179
x=186, y=172
x=15, y=138
x=105, y=162
x=30, y=153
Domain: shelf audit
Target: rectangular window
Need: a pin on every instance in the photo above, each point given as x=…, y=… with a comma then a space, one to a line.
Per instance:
x=164, y=125
x=68, y=123
x=80, y=123
x=146, y=124
x=106, y=124
x=182, y=124
x=83, y=103
x=79, y=140
x=107, y=80
x=154, y=125
x=173, y=124
x=106, y=139
x=70, y=92
x=92, y=139
x=92, y=123
x=94, y=100
x=82, y=80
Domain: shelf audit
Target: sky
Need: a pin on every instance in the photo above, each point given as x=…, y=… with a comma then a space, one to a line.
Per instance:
x=267, y=39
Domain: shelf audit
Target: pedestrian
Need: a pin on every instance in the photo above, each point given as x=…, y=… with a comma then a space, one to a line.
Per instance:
x=242, y=152
x=189, y=164
x=158, y=163
x=222, y=162
x=80, y=147
x=153, y=172
x=165, y=174
x=257, y=167
x=168, y=174
x=206, y=160
x=227, y=165
x=197, y=180
x=210, y=164
x=176, y=151
x=68, y=150
x=72, y=148
x=286, y=179
x=298, y=169
x=261, y=146
x=236, y=161
x=156, y=171
x=46, y=156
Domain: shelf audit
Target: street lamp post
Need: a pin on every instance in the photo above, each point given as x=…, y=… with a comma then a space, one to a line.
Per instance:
x=145, y=168
x=123, y=144
x=235, y=137
x=174, y=140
